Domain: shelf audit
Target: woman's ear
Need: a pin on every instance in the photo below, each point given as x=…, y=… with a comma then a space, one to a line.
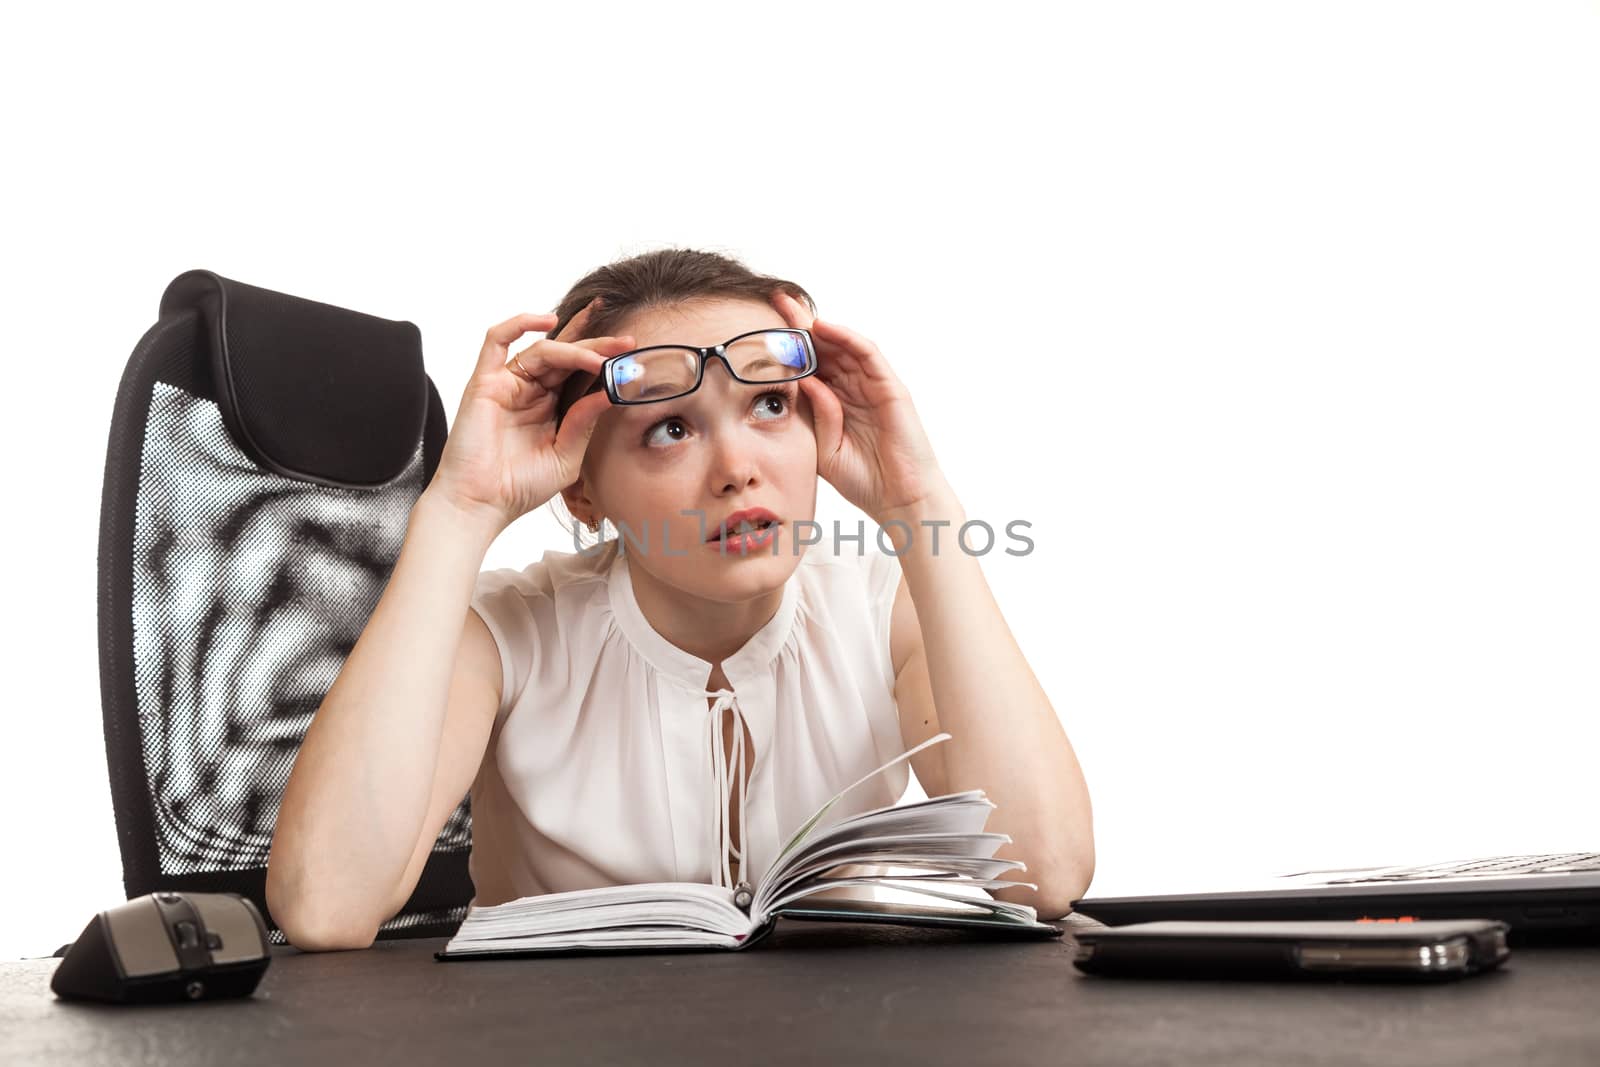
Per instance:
x=577, y=501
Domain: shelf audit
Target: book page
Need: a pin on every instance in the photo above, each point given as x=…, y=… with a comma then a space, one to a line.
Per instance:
x=958, y=813
x=953, y=813
x=643, y=915
x=816, y=858
x=924, y=892
x=811, y=823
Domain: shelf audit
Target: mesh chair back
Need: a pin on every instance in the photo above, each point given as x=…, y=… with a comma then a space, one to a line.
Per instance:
x=264, y=455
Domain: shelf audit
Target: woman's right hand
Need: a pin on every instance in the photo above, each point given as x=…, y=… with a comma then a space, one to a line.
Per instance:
x=503, y=457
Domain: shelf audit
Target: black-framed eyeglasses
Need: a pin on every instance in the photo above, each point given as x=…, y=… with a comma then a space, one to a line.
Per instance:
x=665, y=372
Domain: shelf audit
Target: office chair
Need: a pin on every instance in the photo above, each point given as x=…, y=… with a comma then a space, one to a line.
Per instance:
x=264, y=456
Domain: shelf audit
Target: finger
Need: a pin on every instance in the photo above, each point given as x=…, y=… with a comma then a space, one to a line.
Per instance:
x=850, y=348
x=793, y=312
x=827, y=417
x=548, y=362
x=577, y=430
x=514, y=365
x=545, y=369
x=844, y=375
x=835, y=365
x=497, y=341
x=579, y=323
x=843, y=339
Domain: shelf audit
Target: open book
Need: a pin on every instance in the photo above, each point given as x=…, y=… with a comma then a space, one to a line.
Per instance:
x=939, y=842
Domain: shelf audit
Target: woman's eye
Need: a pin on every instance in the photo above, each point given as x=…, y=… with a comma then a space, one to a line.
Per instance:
x=766, y=402
x=651, y=437
x=771, y=405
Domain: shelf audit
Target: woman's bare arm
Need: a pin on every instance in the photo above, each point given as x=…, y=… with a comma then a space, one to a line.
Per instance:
x=961, y=670
x=468, y=725
x=400, y=735
x=395, y=744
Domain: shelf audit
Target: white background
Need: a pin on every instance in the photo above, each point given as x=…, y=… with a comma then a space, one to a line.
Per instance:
x=1278, y=322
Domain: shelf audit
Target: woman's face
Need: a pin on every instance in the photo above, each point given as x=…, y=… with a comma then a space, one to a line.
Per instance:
x=675, y=469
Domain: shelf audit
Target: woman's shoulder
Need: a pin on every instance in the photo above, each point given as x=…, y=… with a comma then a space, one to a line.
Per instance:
x=864, y=568
x=532, y=613
x=552, y=575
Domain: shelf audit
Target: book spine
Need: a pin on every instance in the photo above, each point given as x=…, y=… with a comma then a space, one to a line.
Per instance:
x=757, y=933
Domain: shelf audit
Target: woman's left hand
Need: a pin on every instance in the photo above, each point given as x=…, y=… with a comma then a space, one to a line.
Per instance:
x=870, y=443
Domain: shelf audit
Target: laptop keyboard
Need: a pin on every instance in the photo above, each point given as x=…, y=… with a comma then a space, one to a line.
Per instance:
x=1499, y=866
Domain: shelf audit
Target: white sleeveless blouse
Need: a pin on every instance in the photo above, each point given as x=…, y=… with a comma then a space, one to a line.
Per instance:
x=605, y=765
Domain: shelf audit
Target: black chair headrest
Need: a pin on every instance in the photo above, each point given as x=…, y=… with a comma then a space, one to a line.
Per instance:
x=309, y=390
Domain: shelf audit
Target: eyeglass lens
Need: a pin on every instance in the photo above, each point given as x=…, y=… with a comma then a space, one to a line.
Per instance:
x=663, y=373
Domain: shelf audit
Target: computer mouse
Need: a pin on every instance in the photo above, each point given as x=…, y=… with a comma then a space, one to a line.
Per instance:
x=167, y=946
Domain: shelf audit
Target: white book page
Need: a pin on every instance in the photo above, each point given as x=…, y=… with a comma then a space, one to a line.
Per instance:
x=920, y=892
x=818, y=819
x=880, y=852
x=651, y=913
x=965, y=813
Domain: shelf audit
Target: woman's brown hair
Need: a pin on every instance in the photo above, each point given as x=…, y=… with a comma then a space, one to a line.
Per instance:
x=661, y=278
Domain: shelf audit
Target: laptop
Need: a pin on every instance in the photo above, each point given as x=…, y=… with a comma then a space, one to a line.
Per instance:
x=1555, y=895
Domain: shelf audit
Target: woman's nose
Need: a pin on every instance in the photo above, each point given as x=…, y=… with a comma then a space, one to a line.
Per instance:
x=734, y=455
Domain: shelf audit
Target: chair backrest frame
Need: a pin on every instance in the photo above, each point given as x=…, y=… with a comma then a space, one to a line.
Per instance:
x=246, y=531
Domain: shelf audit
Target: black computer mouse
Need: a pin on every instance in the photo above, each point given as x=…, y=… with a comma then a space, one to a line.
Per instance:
x=167, y=946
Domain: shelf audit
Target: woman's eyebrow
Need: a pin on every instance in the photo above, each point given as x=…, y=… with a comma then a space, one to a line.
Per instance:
x=767, y=362
x=664, y=387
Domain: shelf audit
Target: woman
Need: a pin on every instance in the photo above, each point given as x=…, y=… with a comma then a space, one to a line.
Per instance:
x=566, y=702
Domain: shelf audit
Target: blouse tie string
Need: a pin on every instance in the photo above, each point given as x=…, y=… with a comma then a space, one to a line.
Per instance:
x=721, y=830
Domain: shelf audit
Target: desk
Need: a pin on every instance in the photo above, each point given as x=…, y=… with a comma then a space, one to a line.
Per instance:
x=813, y=993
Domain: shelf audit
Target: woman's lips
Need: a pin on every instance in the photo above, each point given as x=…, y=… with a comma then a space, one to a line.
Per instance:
x=745, y=542
x=753, y=517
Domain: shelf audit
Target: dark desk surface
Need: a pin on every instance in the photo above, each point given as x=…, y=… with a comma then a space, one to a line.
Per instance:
x=813, y=992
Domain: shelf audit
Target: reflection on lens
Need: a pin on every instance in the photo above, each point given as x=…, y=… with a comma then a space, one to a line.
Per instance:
x=791, y=349
x=766, y=357
x=665, y=372
x=656, y=374
x=626, y=370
